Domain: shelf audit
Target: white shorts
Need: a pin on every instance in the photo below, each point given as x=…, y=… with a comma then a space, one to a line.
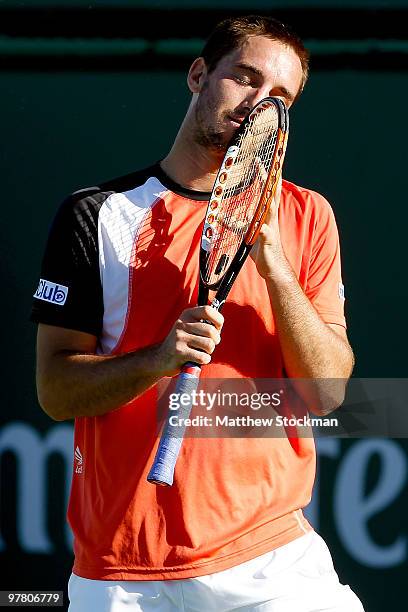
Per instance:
x=297, y=577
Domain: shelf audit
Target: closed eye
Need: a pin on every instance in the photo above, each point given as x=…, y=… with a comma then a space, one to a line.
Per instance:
x=242, y=80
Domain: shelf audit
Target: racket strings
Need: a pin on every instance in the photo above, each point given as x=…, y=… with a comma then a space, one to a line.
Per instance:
x=235, y=219
x=257, y=143
x=242, y=190
x=243, y=170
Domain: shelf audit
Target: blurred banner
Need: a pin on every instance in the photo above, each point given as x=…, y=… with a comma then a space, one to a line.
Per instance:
x=359, y=506
x=80, y=106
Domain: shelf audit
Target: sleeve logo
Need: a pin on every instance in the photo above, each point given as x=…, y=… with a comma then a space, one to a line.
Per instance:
x=78, y=461
x=341, y=291
x=51, y=292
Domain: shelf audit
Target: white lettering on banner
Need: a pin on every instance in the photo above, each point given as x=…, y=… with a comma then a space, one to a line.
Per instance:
x=353, y=509
x=31, y=451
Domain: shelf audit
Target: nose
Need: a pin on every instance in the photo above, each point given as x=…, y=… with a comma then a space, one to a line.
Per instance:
x=256, y=95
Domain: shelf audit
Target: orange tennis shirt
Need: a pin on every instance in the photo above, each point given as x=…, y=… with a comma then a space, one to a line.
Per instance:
x=122, y=263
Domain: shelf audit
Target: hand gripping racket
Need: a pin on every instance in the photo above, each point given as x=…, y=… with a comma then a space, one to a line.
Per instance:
x=240, y=199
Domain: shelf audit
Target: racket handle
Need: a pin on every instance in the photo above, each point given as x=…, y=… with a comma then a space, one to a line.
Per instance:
x=162, y=470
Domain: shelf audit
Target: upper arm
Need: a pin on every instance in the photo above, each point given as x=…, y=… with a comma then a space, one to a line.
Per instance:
x=324, y=286
x=68, y=303
x=52, y=343
x=52, y=340
x=69, y=294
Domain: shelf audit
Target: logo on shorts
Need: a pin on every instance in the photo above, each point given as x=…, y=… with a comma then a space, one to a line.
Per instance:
x=78, y=461
x=51, y=292
x=341, y=291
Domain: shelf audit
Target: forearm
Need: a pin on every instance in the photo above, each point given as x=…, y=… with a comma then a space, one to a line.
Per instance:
x=72, y=381
x=79, y=385
x=310, y=349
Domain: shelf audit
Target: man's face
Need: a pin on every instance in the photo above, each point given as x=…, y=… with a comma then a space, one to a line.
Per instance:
x=260, y=67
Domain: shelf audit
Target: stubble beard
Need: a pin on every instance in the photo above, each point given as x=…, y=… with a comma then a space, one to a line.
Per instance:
x=205, y=134
x=208, y=137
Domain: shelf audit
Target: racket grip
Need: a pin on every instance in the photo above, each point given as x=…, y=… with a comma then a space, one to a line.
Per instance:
x=162, y=470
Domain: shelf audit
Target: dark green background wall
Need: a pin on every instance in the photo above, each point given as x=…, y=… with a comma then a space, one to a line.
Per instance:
x=63, y=130
x=348, y=140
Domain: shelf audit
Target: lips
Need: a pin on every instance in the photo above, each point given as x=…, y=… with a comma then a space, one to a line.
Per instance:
x=236, y=120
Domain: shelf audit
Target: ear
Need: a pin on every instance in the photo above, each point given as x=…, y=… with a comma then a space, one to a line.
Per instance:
x=197, y=75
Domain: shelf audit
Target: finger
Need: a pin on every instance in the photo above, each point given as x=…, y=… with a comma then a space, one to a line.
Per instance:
x=201, y=343
x=203, y=329
x=207, y=313
x=213, y=316
x=261, y=169
x=193, y=348
x=199, y=357
x=274, y=204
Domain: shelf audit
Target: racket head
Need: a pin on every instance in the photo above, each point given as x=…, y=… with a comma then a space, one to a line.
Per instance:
x=243, y=189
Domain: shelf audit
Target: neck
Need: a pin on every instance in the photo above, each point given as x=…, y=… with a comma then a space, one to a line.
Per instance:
x=190, y=164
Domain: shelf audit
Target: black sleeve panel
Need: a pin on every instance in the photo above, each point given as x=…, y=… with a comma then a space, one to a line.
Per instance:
x=70, y=292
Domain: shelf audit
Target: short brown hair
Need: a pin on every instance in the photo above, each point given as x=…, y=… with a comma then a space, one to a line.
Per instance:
x=231, y=33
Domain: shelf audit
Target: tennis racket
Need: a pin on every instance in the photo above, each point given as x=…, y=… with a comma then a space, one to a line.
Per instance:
x=243, y=190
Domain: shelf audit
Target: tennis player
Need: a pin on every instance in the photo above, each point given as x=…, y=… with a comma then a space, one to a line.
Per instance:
x=116, y=314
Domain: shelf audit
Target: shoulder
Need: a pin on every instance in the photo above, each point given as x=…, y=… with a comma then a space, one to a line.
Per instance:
x=306, y=202
x=85, y=203
x=307, y=198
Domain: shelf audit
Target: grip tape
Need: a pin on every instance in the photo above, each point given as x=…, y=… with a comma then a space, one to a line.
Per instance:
x=162, y=470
